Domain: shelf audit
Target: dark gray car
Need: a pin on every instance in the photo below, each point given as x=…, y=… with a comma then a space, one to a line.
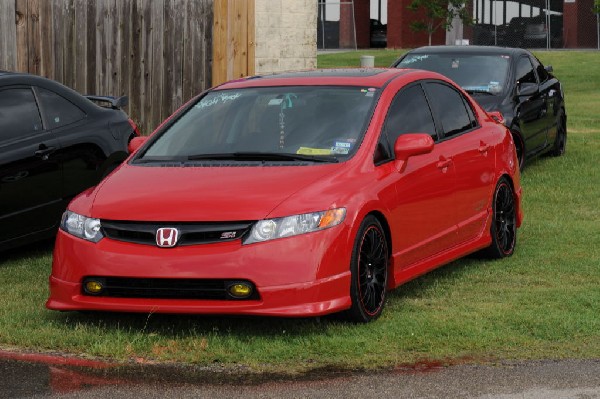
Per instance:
x=510, y=80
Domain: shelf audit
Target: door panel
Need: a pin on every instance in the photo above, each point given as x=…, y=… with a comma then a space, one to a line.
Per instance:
x=532, y=109
x=424, y=215
x=30, y=175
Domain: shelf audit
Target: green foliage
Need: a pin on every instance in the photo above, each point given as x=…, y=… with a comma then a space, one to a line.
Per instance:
x=438, y=13
x=596, y=8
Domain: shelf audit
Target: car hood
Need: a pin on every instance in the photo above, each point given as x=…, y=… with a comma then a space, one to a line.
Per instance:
x=200, y=193
x=488, y=102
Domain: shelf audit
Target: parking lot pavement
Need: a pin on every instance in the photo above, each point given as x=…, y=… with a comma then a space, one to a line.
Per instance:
x=549, y=379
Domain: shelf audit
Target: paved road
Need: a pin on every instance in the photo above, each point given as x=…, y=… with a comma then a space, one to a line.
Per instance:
x=509, y=380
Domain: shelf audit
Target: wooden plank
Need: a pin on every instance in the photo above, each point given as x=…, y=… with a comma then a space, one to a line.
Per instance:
x=46, y=39
x=114, y=49
x=135, y=96
x=251, y=38
x=238, y=40
x=168, y=45
x=195, y=60
x=22, y=18
x=58, y=48
x=155, y=100
x=90, y=53
x=219, y=42
x=101, y=48
x=34, y=34
x=147, y=50
x=8, y=36
x=188, y=60
x=124, y=13
x=177, y=73
x=80, y=46
x=70, y=54
x=207, y=43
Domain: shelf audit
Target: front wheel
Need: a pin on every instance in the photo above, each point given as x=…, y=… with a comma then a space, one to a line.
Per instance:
x=560, y=143
x=504, y=221
x=369, y=269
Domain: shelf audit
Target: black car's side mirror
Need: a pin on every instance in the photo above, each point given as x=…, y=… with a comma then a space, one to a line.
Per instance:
x=549, y=68
x=527, y=89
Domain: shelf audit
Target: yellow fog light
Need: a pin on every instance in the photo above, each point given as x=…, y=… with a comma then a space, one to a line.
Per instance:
x=240, y=290
x=93, y=287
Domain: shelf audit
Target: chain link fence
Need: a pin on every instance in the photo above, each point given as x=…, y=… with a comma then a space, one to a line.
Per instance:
x=533, y=24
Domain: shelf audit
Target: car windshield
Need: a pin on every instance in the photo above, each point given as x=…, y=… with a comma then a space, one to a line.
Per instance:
x=269, y=123
x=474, y=73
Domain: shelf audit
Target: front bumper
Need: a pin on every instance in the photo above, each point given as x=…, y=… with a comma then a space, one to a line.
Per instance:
x=307, y=275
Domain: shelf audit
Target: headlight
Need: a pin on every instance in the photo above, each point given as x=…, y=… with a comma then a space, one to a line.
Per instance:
x=270, y=229
x=81, y=226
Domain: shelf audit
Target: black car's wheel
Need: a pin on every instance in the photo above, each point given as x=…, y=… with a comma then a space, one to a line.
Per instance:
x=504, y=221
x=369, y=267
x=560, y=143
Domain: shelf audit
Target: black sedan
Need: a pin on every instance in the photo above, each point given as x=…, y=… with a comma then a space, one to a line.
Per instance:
x=54, y=143
x=510, y=80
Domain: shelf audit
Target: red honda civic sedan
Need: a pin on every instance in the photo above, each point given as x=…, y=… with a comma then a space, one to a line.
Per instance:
x=294, y=194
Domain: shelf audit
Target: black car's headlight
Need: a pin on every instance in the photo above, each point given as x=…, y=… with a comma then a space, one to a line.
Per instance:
x=270, y=229
x=81, y=226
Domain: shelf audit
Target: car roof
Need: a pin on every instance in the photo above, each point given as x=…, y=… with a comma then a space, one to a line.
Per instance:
x=368, y=77
x=491, y=50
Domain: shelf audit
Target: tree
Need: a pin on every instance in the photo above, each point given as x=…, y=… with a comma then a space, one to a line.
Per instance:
x=596, y=8
x=439, y=13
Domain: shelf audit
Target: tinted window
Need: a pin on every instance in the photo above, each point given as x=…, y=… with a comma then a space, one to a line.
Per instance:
x=449, y=107
x=525, y=72
x=473, y=72
x=19, y=114
x=409, y=113
x=58, y=110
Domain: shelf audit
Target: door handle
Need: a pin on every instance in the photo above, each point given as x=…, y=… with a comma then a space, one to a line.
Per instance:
x=44, y=152
x=444, y=163
x=484, y=148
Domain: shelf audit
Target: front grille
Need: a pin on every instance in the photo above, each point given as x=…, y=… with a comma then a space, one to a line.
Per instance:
x=189, y=233
x=160, y=288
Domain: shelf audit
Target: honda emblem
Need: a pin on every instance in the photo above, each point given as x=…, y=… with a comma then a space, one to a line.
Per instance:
x=166, y=237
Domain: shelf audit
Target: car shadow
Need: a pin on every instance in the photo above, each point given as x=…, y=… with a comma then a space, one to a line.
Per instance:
x=33, y=250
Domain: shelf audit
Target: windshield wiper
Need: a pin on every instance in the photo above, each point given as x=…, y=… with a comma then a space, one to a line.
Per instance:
x=263, y=156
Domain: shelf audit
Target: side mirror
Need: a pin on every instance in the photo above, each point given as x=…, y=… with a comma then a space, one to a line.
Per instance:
x=527, y=89
x=497, y=116
x=136, y=143
x=410, y=145
x=549, y=68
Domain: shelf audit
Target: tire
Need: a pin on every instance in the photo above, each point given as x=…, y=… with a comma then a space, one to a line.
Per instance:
x=369, y=272
x=560, y=143
x=504, y=222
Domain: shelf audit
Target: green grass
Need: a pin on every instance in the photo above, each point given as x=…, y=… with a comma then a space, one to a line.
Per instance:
x=541, y=303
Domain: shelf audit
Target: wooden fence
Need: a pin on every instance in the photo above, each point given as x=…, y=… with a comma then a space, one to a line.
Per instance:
x=158, y=52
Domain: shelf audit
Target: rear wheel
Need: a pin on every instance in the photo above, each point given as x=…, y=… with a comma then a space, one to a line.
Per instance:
x=369, y=267
x=504, y=221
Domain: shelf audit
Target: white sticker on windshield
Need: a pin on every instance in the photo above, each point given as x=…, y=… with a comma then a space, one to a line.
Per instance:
x=218, y=99
x=276, y=101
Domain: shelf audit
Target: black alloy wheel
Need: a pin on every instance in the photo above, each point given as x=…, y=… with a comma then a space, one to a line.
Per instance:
x=369, y=266
x=504, y=221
